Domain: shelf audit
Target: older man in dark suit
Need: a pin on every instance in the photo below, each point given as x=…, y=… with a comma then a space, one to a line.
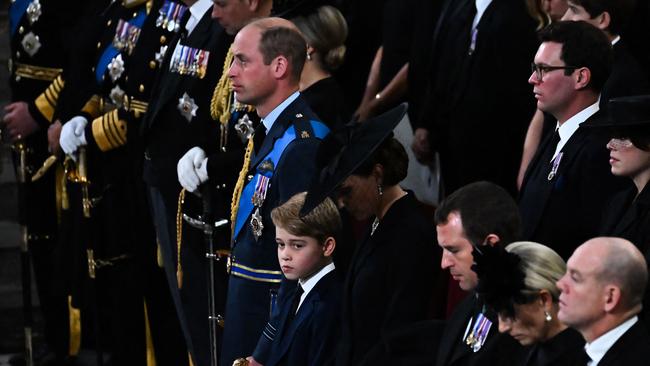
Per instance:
x=601, y=296
x=568, y=181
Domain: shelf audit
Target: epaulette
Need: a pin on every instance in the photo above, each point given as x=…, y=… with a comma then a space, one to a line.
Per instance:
x=303, y=126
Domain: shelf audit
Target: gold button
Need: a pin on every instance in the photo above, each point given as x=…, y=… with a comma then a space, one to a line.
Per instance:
x=21, y=30
x=163, y=39
x=126, y=78
x=93, y=69
x=135, y=14
x=249, y=177
x=108, y=24
x=99, y=44
x=17, y=54
x=141, y=88
x=152, y=64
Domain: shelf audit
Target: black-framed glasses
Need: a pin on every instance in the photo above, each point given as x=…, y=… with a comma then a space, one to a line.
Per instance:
x=541, y=70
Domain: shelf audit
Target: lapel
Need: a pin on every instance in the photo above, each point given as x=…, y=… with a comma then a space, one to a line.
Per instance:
x=570, y=151
x=629, y=341
x=305, y=311
x=454, y=330
x=280, y=125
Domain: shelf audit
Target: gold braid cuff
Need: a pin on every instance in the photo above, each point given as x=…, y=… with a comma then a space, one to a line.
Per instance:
x=47, y=101
x=93, y=106
x=239, y=187
x=179, y=237
x=109, y=131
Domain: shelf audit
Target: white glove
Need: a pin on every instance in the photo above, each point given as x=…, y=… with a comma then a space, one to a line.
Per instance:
x=192, y=169
x=73, y=134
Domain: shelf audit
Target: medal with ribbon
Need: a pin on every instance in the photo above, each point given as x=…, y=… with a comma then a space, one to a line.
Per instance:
x=189, y=61
x=258, y=198
x=170, y=15
x=479, y=333
x=126, y=36
x=555, y=166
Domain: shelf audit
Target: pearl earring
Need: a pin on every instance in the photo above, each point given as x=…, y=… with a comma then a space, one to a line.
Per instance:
x=380, y=190
x=547, y=316
x=309, y=56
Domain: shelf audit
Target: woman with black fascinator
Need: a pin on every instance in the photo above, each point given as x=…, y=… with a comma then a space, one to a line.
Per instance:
x=392, y=274
x=519, y=283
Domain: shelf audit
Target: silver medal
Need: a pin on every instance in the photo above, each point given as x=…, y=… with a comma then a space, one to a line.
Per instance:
x=161, y=54
x=117, y=96
x=116, y=67
x=256, y=224
x=31, y=43
x=33, y=11
x=187, y=107
x=244, y=127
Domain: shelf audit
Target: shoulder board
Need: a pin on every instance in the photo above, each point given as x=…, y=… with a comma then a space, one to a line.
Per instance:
x=306, y=128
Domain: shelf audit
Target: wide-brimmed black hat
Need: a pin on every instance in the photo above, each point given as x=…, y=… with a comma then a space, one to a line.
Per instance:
x=289, y=9
x=626, y=112
x=344, y=151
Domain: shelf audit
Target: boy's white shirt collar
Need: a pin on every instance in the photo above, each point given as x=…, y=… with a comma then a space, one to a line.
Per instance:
x=310, y=283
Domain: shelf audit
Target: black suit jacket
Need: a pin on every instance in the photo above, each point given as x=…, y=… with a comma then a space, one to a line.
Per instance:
x=312, y=334
x=390, y=281
x=631, y=349
x=498, y=349
x=478, y=105
x=628, y=217
x=565, y=211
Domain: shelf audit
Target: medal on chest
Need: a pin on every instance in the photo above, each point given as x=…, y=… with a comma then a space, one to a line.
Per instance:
x=261, y=187
x=555, y=166
x=189, y=61
x=126, y=36
x=480, y=329
x=170, y=15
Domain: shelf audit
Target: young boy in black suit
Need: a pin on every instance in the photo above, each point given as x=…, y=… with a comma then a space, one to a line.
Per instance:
x=309, y=317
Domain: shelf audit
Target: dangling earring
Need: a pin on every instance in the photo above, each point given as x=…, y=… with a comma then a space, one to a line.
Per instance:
x=547, y=316
x=380, y=190
x=308, y=56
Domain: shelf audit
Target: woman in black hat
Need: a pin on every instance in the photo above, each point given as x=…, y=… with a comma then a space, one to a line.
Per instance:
x=519, y=283
x=628, y=215
x=391, y=277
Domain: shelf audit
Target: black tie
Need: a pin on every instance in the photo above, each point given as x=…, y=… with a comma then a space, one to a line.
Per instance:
x=258, y=137
x=583, y=358
x=295, y=303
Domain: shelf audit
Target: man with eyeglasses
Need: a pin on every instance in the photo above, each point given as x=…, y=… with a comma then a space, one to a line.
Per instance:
x=568, y=183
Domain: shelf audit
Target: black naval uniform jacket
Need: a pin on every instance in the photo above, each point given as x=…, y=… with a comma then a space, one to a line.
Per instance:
x=565, y=211
x=498, y=349
x=167, y=136
x=390, y=282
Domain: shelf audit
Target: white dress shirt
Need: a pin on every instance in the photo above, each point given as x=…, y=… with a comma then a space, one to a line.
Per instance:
x=597, y=349
x=568, y=128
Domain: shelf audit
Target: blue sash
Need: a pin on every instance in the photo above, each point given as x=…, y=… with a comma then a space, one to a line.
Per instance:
x=16, y=12
x=245, y=202
x=110, y=51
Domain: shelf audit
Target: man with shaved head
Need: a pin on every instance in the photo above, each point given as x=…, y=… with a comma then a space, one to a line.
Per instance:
x=269, y=55
x=602, y=292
